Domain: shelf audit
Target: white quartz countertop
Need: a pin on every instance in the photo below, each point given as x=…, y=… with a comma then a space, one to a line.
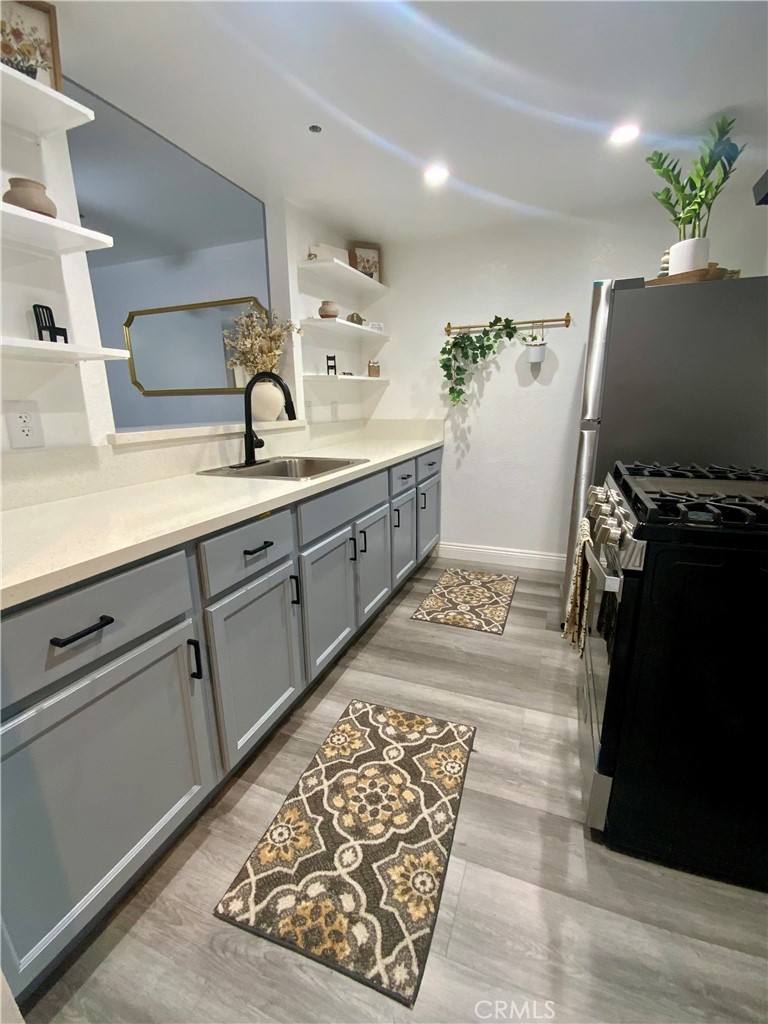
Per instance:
x=59, y=543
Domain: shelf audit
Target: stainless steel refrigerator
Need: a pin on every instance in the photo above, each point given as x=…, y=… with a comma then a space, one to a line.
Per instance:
x=674, y=373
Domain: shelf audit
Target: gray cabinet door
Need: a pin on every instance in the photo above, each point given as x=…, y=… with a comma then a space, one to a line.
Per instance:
x=374, y=562
x=403, y=536
x=257, y=671
x=328, y=593
x=428, y=512
x=94, y=779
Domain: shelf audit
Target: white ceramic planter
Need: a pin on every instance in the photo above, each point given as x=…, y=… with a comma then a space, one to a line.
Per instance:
x=267, y=402
x=536, y=352
x=690, y=254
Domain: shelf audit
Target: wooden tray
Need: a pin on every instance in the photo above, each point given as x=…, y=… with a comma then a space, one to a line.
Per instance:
x=710, y=273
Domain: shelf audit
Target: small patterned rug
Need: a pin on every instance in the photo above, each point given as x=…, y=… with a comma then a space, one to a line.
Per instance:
x=469, y=599
x=351, y=870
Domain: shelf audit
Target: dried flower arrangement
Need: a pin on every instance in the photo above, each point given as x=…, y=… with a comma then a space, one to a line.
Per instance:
x=256, y=341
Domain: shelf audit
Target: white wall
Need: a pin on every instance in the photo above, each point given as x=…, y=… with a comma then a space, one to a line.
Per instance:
x=509, y=459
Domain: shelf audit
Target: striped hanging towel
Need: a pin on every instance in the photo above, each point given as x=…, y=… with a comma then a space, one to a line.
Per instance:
x=578, y=603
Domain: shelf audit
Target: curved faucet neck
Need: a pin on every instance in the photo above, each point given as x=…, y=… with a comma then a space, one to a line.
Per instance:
x=252, y=442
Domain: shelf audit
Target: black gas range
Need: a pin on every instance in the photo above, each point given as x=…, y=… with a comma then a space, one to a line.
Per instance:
x=674, y=701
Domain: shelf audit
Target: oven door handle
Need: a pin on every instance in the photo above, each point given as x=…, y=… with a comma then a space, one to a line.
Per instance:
x=613, y=582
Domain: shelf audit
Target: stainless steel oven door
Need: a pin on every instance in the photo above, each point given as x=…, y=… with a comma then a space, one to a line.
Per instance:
x=605, y=590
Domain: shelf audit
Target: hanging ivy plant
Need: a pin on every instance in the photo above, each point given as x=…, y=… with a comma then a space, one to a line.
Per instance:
x=461, y=354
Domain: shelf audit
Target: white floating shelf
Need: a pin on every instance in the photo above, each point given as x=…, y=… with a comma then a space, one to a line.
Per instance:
x=352, y=378
x=35, y=110
x=32, y=350
x=339, y=328
x=33, y=233
x=332, y=279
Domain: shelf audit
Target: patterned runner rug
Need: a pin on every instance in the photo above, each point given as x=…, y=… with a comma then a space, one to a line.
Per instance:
x=351, y=870
x=469, y=599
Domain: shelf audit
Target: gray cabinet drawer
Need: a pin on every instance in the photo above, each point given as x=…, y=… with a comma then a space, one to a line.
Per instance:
x=428, y=464
x=402, y=477
x=139, y=601
x=235, y=556
x=328, y=512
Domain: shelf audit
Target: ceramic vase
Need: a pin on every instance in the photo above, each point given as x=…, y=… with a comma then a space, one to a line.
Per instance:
x=690, y=254
x=328, y=310
x=29, y=195
x=536, y=351
x=267, y=402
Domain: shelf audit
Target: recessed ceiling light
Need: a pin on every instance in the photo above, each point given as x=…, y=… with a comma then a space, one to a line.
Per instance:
x=315, y=128
x=625, y=133
x=436, y=175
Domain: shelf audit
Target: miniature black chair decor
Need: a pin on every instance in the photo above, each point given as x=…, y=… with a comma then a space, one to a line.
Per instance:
x=45, y=322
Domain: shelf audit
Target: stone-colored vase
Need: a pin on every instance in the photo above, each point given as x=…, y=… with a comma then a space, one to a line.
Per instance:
x=267, y=401
x=328, y=309
x=29, y=195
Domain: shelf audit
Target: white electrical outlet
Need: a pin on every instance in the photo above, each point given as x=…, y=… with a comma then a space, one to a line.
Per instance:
x=24, y=427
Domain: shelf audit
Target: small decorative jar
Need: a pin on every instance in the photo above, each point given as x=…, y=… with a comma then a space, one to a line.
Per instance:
x=374, y=370
x=328, y=309
x=29, y=195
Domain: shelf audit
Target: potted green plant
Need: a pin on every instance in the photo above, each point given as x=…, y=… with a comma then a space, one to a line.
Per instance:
x=689, y=200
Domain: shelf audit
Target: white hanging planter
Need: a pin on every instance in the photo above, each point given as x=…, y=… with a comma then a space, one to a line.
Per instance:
x=536, y=351
x=690, y=254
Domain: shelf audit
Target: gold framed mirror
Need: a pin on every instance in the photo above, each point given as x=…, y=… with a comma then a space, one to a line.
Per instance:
x=180, y=350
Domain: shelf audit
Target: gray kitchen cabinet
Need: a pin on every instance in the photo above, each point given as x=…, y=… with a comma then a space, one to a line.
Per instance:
x=255, y=643
x=328, y=593
x=374, y=562
x=94, y=779
x=403, y=536
x=428, y=512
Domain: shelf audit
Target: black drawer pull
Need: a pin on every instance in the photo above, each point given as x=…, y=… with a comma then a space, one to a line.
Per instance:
x=430, y=464
x=364, y=535
x=407, y=476
x=397, y=513
x=354, y=546
x=260, y=548
x=65, y=641
x=424, y=501
x=297, y=599
x=198, y=673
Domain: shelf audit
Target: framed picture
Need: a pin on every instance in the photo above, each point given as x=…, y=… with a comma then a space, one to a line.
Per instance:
x=30, y=40
x=366, y=257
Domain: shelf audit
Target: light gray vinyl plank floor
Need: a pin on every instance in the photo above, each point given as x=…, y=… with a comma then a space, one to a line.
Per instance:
x=536, y=919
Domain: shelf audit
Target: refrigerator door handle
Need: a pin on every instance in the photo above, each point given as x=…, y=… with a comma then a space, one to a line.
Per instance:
x=597, y=344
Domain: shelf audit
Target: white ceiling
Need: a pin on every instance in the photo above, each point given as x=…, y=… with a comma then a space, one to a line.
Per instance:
x=517, y=99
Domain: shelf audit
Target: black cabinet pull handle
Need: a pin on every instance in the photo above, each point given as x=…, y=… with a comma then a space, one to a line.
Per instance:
x=424, y=501
x=397, y=513
x=430, y=464
x=407, y=476
x=198, y=673
x=297, y=599
x=65, y=641
x=354, y=545
x=364, y=535
x=260, y=548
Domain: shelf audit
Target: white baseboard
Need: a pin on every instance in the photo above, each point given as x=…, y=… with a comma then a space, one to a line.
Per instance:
x=503, y=556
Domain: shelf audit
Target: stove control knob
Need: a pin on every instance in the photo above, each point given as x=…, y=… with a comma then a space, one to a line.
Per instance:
x=600, y=508
x=595, y=494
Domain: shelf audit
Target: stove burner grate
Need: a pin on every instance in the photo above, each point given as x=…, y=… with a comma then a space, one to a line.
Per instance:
x=694, y=471
x=712, y=509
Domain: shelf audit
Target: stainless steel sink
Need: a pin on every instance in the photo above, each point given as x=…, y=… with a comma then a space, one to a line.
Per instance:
x=285, y=468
